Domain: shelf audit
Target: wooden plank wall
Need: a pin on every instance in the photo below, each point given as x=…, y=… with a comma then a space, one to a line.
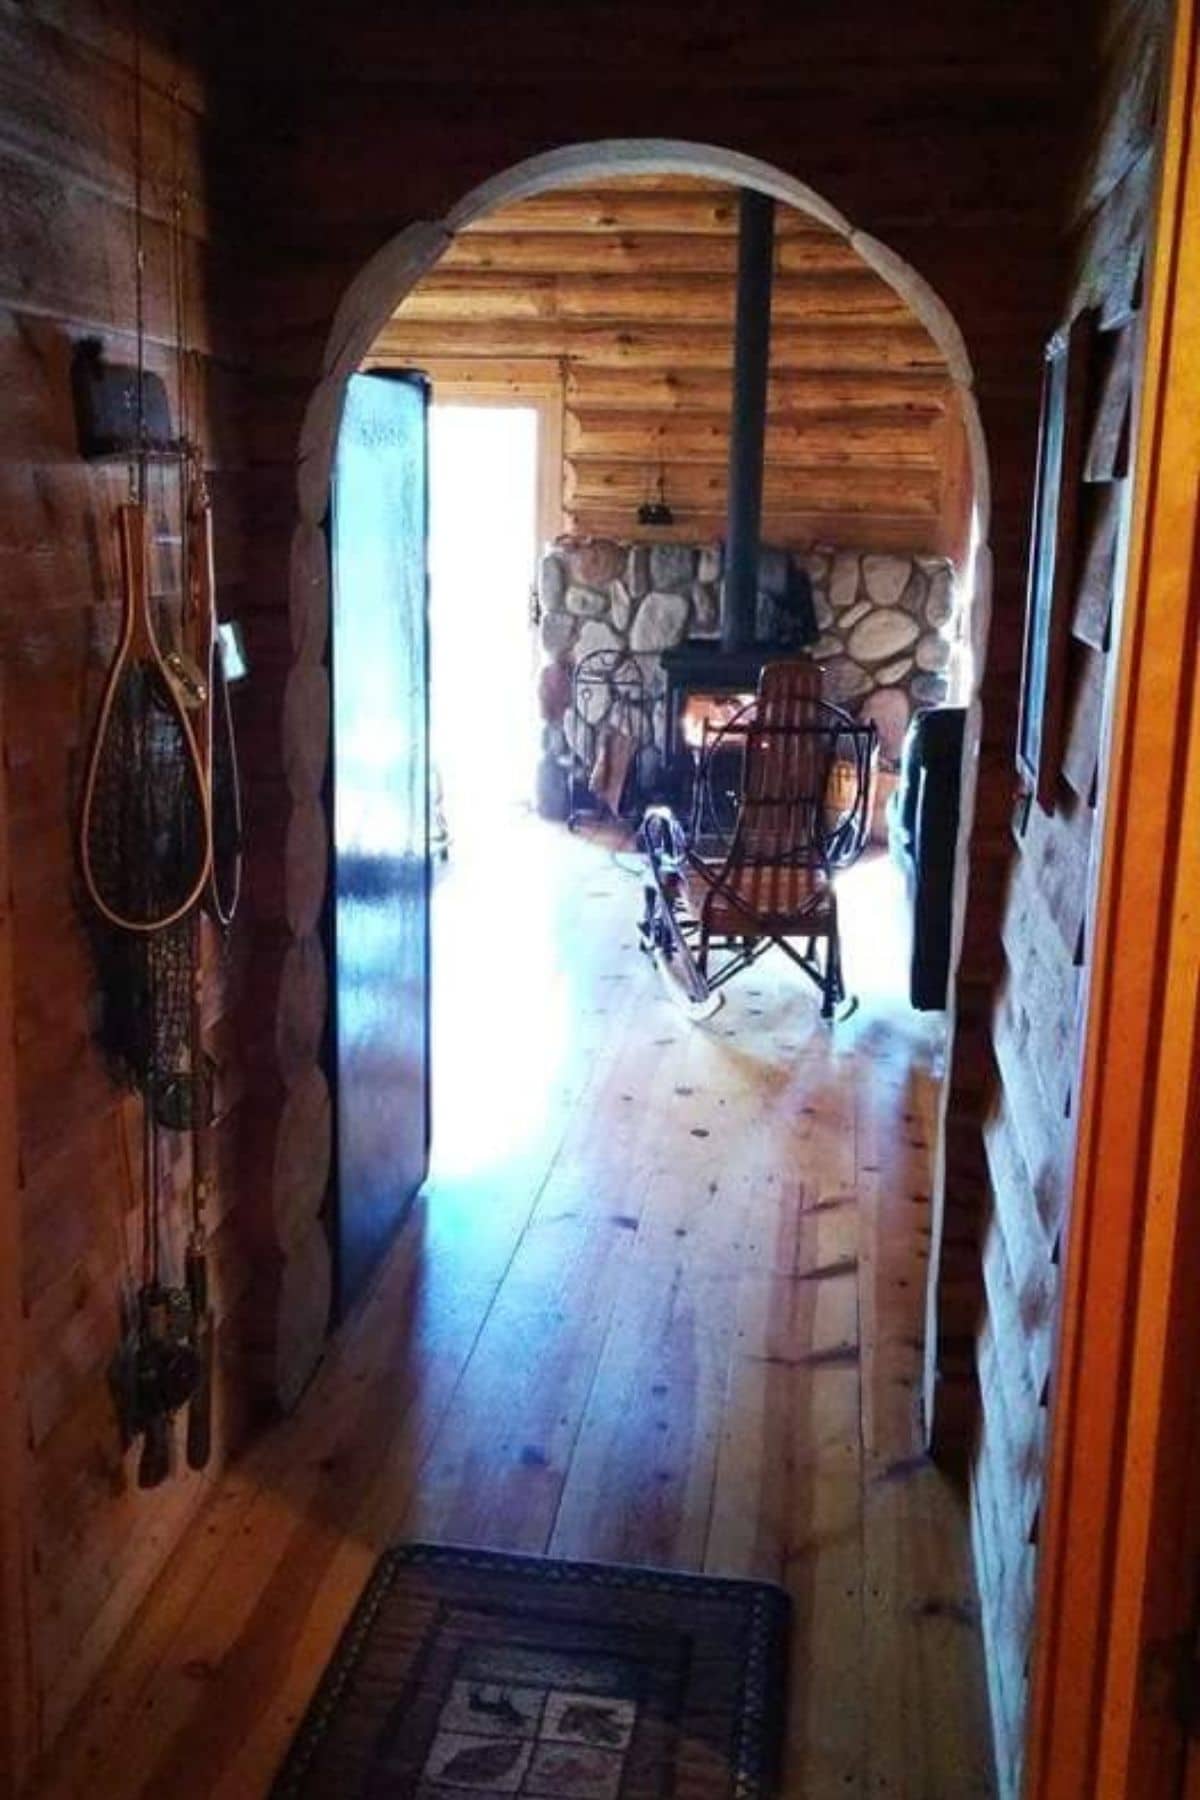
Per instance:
x=66, y=271
x=622, y=296
x=1005, y=1227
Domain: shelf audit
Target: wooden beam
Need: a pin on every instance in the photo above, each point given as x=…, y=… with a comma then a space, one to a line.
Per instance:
x=854, y=297
x=831, y=393
x=828, y=347
x=900, y=491
x=795, y=525
x=672, y=208
x=701, y=437
x=637, y=253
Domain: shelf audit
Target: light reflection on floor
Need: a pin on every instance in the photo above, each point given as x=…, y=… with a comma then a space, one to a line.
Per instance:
x=514, y=975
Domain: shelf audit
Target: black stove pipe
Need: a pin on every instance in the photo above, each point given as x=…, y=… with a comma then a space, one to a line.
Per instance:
x=751, y=356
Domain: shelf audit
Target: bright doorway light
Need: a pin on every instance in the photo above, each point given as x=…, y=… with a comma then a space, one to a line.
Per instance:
x=483, y=469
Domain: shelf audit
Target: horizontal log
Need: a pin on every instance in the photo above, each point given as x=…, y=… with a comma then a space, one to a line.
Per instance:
x=1014, y=1419
x=794, y=529
x=794, y=438
x=674, y=207
x=637, y=253
x=831, y=394
x=1087, y=670
x=68, y=253
x=833, y=347
x=305, y=1298
x=300, y=1008
x=799, y=394
x=303, y=1144
x=70, y=109
x=535, y=377
x=857, y=296
x=899, y=490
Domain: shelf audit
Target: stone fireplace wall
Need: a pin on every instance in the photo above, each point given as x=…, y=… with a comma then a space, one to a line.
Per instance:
x=888, y=628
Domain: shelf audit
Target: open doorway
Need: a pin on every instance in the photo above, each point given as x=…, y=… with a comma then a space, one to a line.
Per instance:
x=483, y=523
x=676, y=1274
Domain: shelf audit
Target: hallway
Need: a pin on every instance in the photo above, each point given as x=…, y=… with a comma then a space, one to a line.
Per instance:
x=661, y=1303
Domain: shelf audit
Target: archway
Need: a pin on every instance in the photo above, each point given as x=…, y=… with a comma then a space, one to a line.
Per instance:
x=390, y=275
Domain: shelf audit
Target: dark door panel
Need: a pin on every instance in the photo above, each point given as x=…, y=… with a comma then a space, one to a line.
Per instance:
x=380, y=817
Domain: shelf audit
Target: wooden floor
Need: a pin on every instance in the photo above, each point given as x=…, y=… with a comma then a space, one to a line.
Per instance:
x=661, y=1302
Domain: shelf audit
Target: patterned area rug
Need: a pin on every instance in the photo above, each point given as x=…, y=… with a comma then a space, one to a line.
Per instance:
x=466, y=1673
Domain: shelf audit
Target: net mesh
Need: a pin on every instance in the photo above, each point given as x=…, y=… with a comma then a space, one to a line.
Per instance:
x=146, y=1025
x=146, y=830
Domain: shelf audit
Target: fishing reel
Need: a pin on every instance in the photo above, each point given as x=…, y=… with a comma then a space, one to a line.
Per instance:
x=166, y=1360
x=160, y=1369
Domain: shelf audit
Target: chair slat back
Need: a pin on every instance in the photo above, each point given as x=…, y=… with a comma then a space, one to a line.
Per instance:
x=785, y=775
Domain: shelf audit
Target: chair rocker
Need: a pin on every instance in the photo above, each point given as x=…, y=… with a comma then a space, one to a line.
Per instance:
x=781, y=800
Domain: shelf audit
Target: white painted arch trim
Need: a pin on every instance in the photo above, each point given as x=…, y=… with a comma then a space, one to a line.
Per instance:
x=395, y=269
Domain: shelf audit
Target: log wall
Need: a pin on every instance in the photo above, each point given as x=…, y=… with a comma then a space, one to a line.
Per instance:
x=67, y=179
x=1006, y=1199
x=618, y=299
x=307, y=152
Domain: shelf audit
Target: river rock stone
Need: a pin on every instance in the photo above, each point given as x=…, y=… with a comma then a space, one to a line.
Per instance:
x=661, y=619
x=891, y=710
x=706, y=605
x=844, y=680
x=595, y=635
x=933, y=652
x=620, y=606
x=827, y=645
x=710, y=563
x=552, y=584
x=557, y=632
x=586, y=602
x=843, y=581
x=930, y=690
x=672, y=566
x=595, y=562
x=822, y=611
x=881, y=636
x=886, y=577
x=913, y=598
x=637, y=571
x=939, y=602
x=554, y=692
x=894, y=671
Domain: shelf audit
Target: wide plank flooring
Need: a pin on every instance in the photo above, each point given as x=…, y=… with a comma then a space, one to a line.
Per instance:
x=661, y=1302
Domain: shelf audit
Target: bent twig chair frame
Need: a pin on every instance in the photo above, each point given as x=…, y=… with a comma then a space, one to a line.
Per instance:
x=720, y=897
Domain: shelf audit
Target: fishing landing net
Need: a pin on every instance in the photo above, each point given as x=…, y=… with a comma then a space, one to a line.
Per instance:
x=147, y=841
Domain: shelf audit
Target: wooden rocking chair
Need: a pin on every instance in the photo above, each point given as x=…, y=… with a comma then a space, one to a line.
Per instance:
x=757, y=868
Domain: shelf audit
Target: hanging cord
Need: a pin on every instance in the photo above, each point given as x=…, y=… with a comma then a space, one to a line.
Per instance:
x=194, y=635
x=150, y=1231
x=139, y=254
